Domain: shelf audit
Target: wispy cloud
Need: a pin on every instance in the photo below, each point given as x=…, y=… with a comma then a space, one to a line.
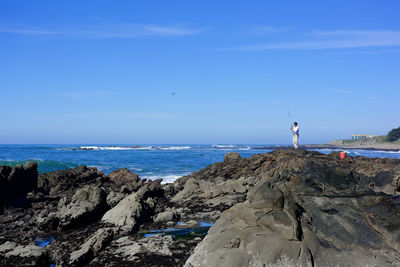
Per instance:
x=366, y=52
x=339, y=39
x=347, y=92
x=106, y=31
x=357, y=33
x=86, y=94
x=159, y=30
x=268, y=29
x=109, y=115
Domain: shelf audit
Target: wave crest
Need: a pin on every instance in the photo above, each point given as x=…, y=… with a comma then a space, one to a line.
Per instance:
x=43, y=165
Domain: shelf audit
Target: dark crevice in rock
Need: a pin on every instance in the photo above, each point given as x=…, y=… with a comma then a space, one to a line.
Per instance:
x=299, y=212
x=330, y=211
x=311, y=257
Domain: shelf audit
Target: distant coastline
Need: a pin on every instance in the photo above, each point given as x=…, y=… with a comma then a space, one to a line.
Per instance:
x=375, y=143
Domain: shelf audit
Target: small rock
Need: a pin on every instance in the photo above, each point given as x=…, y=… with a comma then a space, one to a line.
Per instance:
x=113, y=198
x=124, y=176
x=12, y=254
x=231, y=156
x=91, y=247
x=166, y=216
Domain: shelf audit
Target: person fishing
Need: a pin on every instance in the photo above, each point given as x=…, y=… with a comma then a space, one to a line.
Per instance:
x=295, y=130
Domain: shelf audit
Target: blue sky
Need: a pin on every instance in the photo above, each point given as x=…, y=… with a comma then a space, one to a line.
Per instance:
x=103, y=71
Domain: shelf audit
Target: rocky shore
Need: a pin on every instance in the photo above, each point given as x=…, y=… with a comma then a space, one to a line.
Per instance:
x=284, y=208
x=376, y=143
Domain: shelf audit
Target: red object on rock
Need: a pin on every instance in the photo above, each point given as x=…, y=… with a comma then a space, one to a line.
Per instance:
x=124, y=176
x=342, y=155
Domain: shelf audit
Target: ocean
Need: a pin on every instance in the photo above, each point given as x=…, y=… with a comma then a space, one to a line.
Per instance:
x=167, y=162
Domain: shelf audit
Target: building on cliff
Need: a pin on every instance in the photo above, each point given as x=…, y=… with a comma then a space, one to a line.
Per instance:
x=361, y=136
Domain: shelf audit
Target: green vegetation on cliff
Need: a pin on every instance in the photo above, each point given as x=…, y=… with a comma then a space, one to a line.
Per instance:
x=375, y=139
x=393, y=135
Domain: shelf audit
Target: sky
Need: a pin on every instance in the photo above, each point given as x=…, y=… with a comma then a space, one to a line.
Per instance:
x=197, y=72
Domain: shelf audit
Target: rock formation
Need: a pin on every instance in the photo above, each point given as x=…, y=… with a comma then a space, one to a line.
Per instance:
x=309, y=209
x=16, y=182
x=284, y=208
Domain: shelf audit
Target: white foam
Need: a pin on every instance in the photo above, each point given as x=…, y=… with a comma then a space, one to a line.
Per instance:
x=165, y=178
x=390, y=152
x=113, y=148
x=144, y=148
x=223, y=146
x=245, y=148
x=174, y=147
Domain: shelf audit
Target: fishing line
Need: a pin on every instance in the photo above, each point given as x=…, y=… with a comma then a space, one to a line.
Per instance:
x=288, y=111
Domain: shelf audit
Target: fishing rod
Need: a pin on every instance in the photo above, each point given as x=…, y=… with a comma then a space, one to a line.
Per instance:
x=290, y=118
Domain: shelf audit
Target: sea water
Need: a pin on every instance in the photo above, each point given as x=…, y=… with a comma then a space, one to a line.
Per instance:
x=167, y=162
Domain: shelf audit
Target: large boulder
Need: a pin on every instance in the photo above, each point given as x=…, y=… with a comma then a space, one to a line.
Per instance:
x=166, y=216
x=155, y=250
x=57, y=182
x=231, y=156
x=134, y=209
x=16, y=182
x=91, y=247
x=310, y=209
x=123, y=176
x=88, y=204
x=13, y=254
x=324, y=233
x=266, y=196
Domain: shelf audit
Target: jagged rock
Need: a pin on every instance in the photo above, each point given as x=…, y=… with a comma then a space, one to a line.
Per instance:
x=288, y=207
x=191, y=186
x=56, y=182
x=166, y=216
x=266, y=196
x=87, y=204
x=158, y=244
x=133, y=209
x=12, y=254
x=124, y=176
x=156, y=250
x=156, y=181
x=188, y=224
x=91, y=247
x=16, y=182
x=7, y=247
x=309, y=209
x=231, y=156
x=244, y=236
x=210, y=216
x=113, y=198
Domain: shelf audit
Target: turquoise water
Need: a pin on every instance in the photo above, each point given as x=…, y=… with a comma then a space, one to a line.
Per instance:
x=200, y=231
x=167, y=162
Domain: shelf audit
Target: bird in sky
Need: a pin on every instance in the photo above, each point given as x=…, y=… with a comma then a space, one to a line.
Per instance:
x=173, y=93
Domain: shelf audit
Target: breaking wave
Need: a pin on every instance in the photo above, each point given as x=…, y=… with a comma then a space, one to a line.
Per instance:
x=223, y=146
x=125, y=148
x=43, y=165
x=114, y=147
x=231, y=147
x=174, y=148
x=390, y=152
x=165, y=178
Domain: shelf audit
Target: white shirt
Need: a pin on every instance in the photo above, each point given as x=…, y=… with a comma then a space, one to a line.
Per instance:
x=295, y=130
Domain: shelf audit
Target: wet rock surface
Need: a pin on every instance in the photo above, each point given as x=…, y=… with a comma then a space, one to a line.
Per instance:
x=284, y=208
x=16, y=182
x=310, y=209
